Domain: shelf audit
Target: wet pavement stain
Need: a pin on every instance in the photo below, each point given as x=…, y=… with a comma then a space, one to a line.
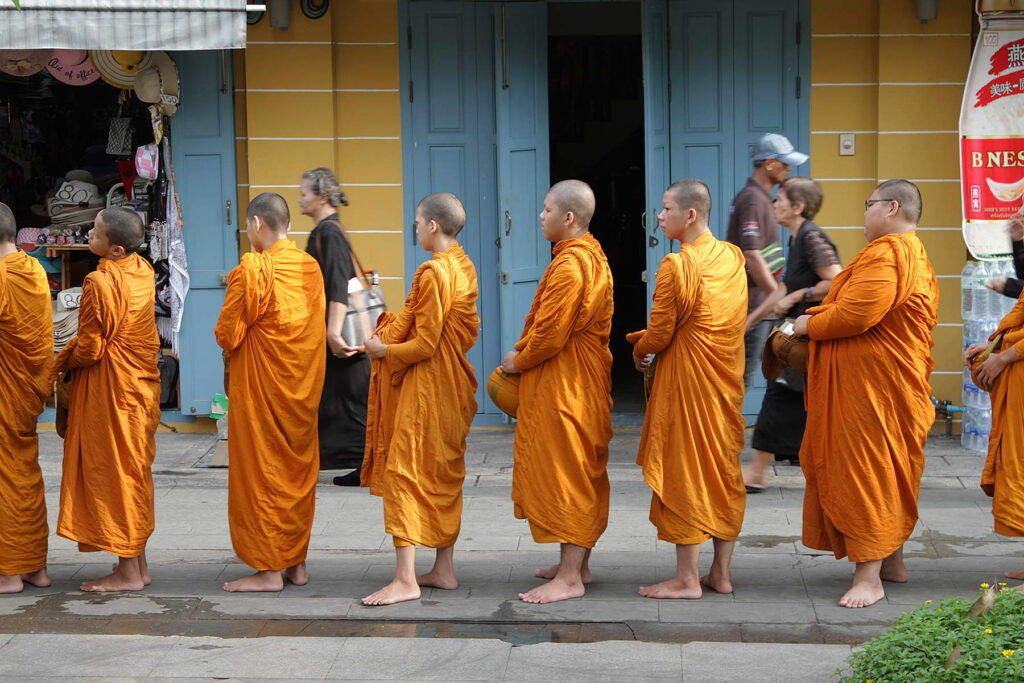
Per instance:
x=756, y=541
x=210, y=647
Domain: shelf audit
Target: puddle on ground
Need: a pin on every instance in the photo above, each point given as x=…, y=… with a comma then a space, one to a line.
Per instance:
x=760, y=541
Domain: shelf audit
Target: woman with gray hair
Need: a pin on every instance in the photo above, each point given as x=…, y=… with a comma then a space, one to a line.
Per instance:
x=342, y=414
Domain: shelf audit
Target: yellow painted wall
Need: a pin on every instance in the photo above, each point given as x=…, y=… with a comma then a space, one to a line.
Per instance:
x=878, y=72
x=325, y=93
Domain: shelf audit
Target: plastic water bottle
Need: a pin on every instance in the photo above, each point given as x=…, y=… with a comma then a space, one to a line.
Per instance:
x=967, y=290
x=967, y=429
x=982, y=303
x=984, y=427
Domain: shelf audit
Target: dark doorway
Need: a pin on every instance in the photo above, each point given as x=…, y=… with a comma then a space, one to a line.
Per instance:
x=595, y=102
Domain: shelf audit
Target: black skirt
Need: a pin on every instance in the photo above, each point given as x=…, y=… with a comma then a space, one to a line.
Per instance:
x=342, y=412
x=781, y=422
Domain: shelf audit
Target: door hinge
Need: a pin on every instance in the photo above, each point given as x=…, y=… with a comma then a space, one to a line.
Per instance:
x=798, y=32
x=410, y=90
x=798, y=87
x=408, y=36
x=503, y=278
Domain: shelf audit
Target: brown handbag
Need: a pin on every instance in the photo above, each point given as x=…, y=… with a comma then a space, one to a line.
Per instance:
x=784, y=350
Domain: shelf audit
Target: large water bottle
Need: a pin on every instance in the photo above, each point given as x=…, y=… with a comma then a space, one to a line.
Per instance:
x=967, y=429
x=967, y=290
x=982, y=302
x=984, y=428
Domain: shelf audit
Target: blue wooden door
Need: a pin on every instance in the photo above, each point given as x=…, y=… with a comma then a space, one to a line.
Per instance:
x=203, y=142
x=449, y=145
x=657, y=174
x=734, y=70
x=521, y=77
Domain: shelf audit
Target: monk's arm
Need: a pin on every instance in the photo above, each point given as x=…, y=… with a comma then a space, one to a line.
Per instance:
x=665, y=312
x=428, y=315
x=555, y=315
x=864, y=300
x=90, y=345
x=231, y=325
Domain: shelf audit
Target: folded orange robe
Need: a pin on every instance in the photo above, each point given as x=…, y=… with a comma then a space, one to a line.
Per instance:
x=422, y=402
x=560, y=478
x=867, y=396
x=272, y=324
x=26, y=354
x=1003, y=476
x=106, y=494
x=693, y=429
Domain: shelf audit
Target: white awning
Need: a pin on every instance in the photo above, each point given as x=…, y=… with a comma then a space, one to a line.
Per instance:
x=123, y=24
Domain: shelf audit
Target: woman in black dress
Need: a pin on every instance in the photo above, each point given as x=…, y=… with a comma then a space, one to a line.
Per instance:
x=342, y=414
x=810, y=266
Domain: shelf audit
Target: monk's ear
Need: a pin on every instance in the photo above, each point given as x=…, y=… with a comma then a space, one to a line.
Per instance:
x=434, y=226
x=570, y=217
x=118, y=252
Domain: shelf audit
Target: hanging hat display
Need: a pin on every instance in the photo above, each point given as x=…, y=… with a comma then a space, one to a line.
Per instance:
x=158, y=83
x=119, y=67
x=23, y=62
x=72, y=67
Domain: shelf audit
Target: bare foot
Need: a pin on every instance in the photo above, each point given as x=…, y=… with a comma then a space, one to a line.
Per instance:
x=716, y=584
x=393, y=592
x=436, y=579
x=550, y=572
x=11, y=583
x=893, y=575
x=862, y=595
x=751, y=478
x=143, y=567
x=673, y=588
x=39, y=578
x=1019, y=576
x=260, y=582
x=296, y=575
x=112, y=583
x=553, y=591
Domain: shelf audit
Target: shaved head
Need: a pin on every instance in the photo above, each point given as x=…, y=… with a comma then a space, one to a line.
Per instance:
x=577, y=197
x=906, y=194
x=446, y=210
x=691, y=193
x=8, y=226
x=272, y=209
x=123, y=228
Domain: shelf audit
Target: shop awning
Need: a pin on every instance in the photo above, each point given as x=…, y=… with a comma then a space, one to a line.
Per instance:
x=123, y=24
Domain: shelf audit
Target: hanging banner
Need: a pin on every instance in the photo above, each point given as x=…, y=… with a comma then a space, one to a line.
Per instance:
x=992, y=137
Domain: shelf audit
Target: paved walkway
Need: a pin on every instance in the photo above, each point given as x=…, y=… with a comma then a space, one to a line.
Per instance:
x=785, y=592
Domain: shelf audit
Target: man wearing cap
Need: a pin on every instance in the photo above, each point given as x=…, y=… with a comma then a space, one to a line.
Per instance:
x=753, y=229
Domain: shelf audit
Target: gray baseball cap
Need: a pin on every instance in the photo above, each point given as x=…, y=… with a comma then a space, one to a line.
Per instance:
x=775, y=146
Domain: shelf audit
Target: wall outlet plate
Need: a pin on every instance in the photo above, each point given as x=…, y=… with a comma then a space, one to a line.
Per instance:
x=847, y=144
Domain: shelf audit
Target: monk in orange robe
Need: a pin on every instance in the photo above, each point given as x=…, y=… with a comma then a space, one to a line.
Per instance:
x=273, y=328
x=693, y=430
x=26, y=354
x=559, y=476
x=868, y=406
x=1002, y=374
x=106, y=493
x=422, y=402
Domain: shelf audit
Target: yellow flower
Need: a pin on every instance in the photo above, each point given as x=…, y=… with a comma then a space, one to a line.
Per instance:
x=1007, y=653
x=927, y=602
x=988, y=630
x=1002, y=583
x=984, y=585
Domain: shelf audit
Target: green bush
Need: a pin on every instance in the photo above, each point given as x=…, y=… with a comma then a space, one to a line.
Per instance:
x=920, y=643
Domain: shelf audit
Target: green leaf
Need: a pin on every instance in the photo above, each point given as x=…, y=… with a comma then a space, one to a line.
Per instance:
x=17, y=4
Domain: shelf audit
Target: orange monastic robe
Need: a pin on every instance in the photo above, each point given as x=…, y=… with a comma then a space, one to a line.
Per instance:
x=422, y=402
x=272, y=324
x=26, y=353
x=1003, y=476
x=867, y=395
x=693, y=430
x=559, y=477
x=106, y=494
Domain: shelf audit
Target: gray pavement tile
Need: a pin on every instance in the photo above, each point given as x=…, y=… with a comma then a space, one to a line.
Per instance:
x=608, y=661
x=845, y=634
x=657, y=632
x=403, y=659
x=83, y=655
x=735, y=612
x=781, y=633
x=251, y=657
x=879, y=613
x=583, y=610
x=19, y=603
x=4, y=637
x=259, y=607
x=756, y=662
x=752, y=591
x=62, y=571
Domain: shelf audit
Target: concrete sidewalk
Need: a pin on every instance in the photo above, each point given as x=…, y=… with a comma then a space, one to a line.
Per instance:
x=785, y=592
x=124, y=658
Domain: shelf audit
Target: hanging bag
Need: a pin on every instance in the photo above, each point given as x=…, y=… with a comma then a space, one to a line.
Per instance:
x=119, y=135
x=365, y=304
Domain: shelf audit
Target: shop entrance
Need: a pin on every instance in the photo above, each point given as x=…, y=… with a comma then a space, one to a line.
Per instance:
x=596, y=122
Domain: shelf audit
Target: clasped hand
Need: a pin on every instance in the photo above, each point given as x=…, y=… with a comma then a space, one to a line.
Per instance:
x=990, y=369
x=339, y=348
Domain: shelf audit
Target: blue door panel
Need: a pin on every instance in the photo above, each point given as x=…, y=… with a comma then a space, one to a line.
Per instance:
x=203, y=142
x=656, y=131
